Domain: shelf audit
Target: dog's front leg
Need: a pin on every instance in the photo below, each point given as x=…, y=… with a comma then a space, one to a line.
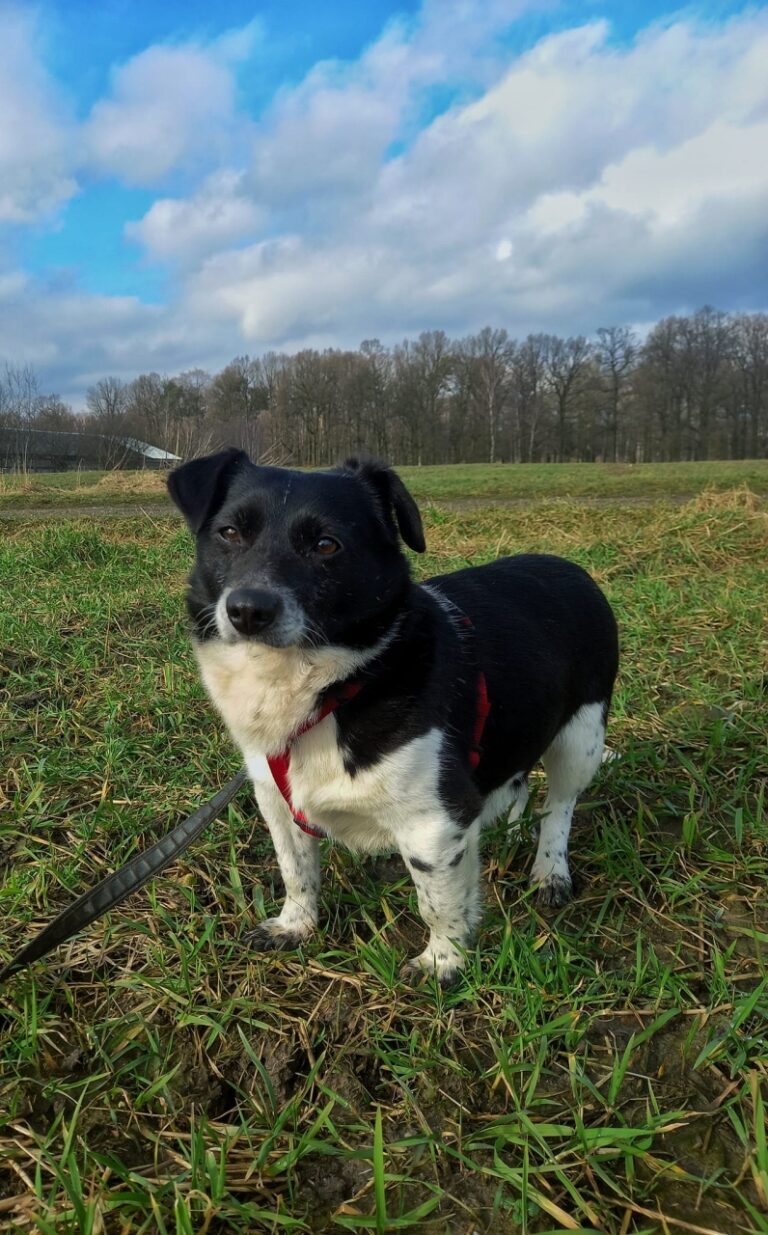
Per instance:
x=444, y=862
x=298, y=857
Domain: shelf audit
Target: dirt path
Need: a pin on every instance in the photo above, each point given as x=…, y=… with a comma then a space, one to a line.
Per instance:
x=163, y=510
x=152, y=510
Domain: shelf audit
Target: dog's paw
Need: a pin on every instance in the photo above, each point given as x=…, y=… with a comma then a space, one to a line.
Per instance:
x=553, y=891
x=445, y=969
x=272, y=936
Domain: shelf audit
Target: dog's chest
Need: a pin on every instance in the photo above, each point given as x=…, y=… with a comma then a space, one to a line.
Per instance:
x=264, y=697
x=369, y=810
x=265, y=694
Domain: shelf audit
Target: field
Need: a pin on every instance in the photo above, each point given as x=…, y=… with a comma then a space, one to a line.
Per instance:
x=603, y=1069
x=502, y=482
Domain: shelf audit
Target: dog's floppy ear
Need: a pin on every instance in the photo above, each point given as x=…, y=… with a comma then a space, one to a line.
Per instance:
x=393, y=497
x=198, y=487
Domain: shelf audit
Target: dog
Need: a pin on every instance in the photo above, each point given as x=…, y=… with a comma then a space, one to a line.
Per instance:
x=383, y=713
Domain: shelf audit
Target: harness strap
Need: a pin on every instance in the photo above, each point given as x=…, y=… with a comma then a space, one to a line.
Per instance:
x=280, y=765
x=482, y=708
x=482, y=713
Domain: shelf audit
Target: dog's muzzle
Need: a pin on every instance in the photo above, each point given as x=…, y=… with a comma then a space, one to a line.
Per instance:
x=267, y=615
x=252, y=611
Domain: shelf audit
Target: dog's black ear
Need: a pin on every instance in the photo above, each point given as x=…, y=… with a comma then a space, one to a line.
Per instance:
x=393, y=497
x=198, y=487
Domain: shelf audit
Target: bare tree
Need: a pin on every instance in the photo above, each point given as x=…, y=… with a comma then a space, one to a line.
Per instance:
x=19, y=395
x=107, y=399
x=567, y=366
x=616, y=353
x=488, y=359
x=529, y=373
x=750, y=355
x=146, y=408
x=711, y=345
x=52, y=414
x=375, y=381
x=422, y=378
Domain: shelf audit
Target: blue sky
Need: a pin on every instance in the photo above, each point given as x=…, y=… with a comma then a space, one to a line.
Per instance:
x=182, y=183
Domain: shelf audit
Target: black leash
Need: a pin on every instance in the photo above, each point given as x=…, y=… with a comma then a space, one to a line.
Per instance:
x=116, y=887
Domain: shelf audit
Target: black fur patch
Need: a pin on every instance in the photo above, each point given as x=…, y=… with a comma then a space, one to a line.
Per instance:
x=420, y=865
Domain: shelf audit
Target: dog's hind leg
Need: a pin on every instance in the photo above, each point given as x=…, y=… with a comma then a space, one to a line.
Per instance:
x=519, y=787
x=570, y=763
x=298, y=857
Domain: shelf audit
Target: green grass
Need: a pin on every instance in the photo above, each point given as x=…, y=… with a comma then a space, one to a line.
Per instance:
x=605, y=1069
x=583, y=480
x=58, y=481
x=504, y=482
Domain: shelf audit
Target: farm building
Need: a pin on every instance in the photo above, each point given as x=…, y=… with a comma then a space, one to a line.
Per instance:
x=44, y=450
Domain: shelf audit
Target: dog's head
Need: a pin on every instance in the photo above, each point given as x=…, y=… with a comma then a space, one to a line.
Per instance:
x=290, y=558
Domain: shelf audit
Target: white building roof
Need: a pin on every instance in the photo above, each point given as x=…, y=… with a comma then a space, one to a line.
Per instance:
x=150, y=452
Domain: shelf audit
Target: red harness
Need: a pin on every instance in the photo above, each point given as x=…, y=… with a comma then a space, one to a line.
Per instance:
x=482, y=711
x=280, y=765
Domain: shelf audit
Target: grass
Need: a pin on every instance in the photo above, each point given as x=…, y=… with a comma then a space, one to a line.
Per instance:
x=503, y=482
x=603, y=1070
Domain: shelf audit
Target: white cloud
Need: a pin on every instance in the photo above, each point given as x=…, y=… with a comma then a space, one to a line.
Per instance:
x=538, y=205
x=171, y=107
x=73, y=337
x=565, y=112
x=287, y=288
x=668, y=187
x=35, y=136
x=217, y=215
x=324, y=140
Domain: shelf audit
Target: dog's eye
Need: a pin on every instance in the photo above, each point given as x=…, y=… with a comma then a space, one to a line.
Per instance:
x=231, y=535
x=326, y=545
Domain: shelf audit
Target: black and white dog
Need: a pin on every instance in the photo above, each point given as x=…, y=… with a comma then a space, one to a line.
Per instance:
x=383, y=713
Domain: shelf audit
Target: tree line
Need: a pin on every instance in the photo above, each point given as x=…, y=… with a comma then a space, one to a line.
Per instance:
x=695, y=388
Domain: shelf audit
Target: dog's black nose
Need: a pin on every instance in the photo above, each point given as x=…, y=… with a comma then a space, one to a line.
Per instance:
x=253, y=610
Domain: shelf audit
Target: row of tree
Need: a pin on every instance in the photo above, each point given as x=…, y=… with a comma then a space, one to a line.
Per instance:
x=695, y=388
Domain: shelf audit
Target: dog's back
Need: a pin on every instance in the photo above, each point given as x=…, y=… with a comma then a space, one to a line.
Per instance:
x=546, y=640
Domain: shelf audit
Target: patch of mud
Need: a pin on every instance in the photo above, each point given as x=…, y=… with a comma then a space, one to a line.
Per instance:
x=681, y=1163
x=702, y=1150
x=744, y=925
x=326, y=1186
x=286, y=1064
